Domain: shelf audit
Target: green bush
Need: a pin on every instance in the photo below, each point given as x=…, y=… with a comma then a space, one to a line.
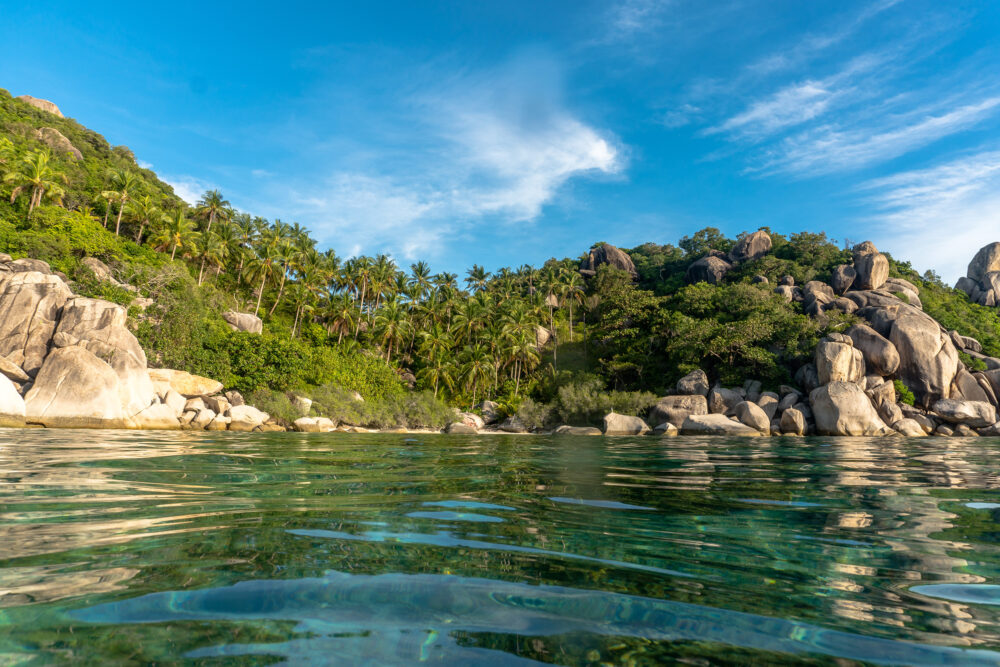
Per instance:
x=275, y=403
x=903, y=393
x=410, y=410
x=972, y=363
x=586, y=403
x=535, y=415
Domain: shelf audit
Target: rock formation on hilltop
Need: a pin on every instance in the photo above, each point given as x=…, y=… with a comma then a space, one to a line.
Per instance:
x=44, y=105
x=606, y=253
x=982, y=280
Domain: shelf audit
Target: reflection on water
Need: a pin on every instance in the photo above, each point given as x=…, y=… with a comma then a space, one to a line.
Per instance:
x=142, y=547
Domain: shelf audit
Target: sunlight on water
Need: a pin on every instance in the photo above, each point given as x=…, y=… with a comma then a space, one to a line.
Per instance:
x=382, y=549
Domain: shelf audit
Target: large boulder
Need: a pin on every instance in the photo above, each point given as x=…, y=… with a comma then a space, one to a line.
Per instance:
x=100, y=326
x=910, y=428
x=928, y=361
x=58, y=142
x=716, y=425
x=616, y=424
x=243, y=322
x=675, y=409
x=31, y=303
x=245, y=418
x=566, y=429
x=842, y=408
x=542, y=336
x=838, y=362
x=695, y=382
x=985, y=261
x=879, y=354
x=609, y=254
x=751, y=246
x=974, y=414
x=44, y=105
x=842, y=278
x=752, y=415
x=27, y=264
x=722, y=400
x=871, y=266
x=709, y=269
x=184, y=383
x=967, y=387
x=75, y=389
x=11, y=404
x=793, y=422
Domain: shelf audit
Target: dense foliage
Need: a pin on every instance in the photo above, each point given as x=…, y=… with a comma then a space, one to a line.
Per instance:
x=335, y=326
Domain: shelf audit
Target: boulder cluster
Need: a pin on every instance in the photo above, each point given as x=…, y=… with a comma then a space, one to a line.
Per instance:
x=68, y=361
x=982, y=280
x=714, y=266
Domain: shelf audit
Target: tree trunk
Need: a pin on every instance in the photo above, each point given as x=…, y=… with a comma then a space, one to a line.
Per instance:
x=201, y=271
x=173, y=252
x=261, y=294
x=142, y=226
x=284, y=274
x=118, y=222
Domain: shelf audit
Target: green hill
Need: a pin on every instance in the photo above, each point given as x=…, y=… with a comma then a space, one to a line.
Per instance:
x=332, y=326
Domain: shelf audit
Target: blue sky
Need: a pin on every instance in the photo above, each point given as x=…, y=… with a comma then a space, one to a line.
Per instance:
x=509, y=132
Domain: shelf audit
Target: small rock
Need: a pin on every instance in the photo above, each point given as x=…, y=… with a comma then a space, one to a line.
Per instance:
x=793, y=422
x=460, y=428
x=716, y=424
x=694, y=383
x=565, y=429
x=616, y=424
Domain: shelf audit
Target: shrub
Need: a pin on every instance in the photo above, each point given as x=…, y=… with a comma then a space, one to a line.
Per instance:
x=903, y=392
x=972, y=363
x=534, y=415
x=407, y=410
x=277, y=404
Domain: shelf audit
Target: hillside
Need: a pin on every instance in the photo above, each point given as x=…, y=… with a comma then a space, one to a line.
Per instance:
x=255, y=304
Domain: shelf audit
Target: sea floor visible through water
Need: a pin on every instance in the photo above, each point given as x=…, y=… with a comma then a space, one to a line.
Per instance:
x=383, y=549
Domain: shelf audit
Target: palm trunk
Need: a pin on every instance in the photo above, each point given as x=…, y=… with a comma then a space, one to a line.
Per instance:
x=106, y=212
x=118, y=222
x=173, y=252
x=211, y=219
x=357, y=327
x=138, y=237
x=260, y=294
x=284, y=274
x=201, y=271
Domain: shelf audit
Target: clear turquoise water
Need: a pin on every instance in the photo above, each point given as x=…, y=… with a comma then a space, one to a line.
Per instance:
x=217, y=548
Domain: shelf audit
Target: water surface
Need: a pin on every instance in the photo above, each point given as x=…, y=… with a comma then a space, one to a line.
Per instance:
x=224, y=548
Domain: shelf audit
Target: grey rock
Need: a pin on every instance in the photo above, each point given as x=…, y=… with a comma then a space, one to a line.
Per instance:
x=842, y=408
x=609, y=254
x=707, y=269
x=842, y=278
x=976, y=414
x=751, y=246
x=838, y=362
x=768, y=402
x=666, y=429
x=75, y=389
x=879, y=353
x=793, y=422
x=617, y=424
x=987, y=259
x=909, y=428
x=247, y=322
x=721, y=401
x=751, y=414
x=458, y=428
x=928, y=359
x=31, y=303
x=872, y=270
x=716, y=424
x=675, y=409
x=576, y=430
x=694, y=383
x=26, y=264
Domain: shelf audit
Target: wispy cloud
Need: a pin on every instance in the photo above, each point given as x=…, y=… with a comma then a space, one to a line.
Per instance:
x=939, y=216
x=628, y=17
x=495, y=147
x=831, y=148
x=814, y=44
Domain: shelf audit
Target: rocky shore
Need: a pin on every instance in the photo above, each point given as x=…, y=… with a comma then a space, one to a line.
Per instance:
x=68, y=361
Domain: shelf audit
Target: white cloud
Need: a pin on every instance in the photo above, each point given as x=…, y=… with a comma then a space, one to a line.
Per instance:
x=629, y=17
x=491, y=147
x=144, y=164
x=188, y=188
x=831, y=148
x=790, y=106
x=939, y=217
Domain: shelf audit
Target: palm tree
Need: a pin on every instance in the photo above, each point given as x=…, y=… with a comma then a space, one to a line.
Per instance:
x=571, y=289
x=213, y=251
x=477, y=278
x=340, y=315
x=391, y=325
x=123, y=182
x=286, y=253
x=145, y=210
x=476, y=367
x=440, y=371
x=176, y=233
x=212, y=205
x=263, y=266
x=37, y=177
x=421, y=276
